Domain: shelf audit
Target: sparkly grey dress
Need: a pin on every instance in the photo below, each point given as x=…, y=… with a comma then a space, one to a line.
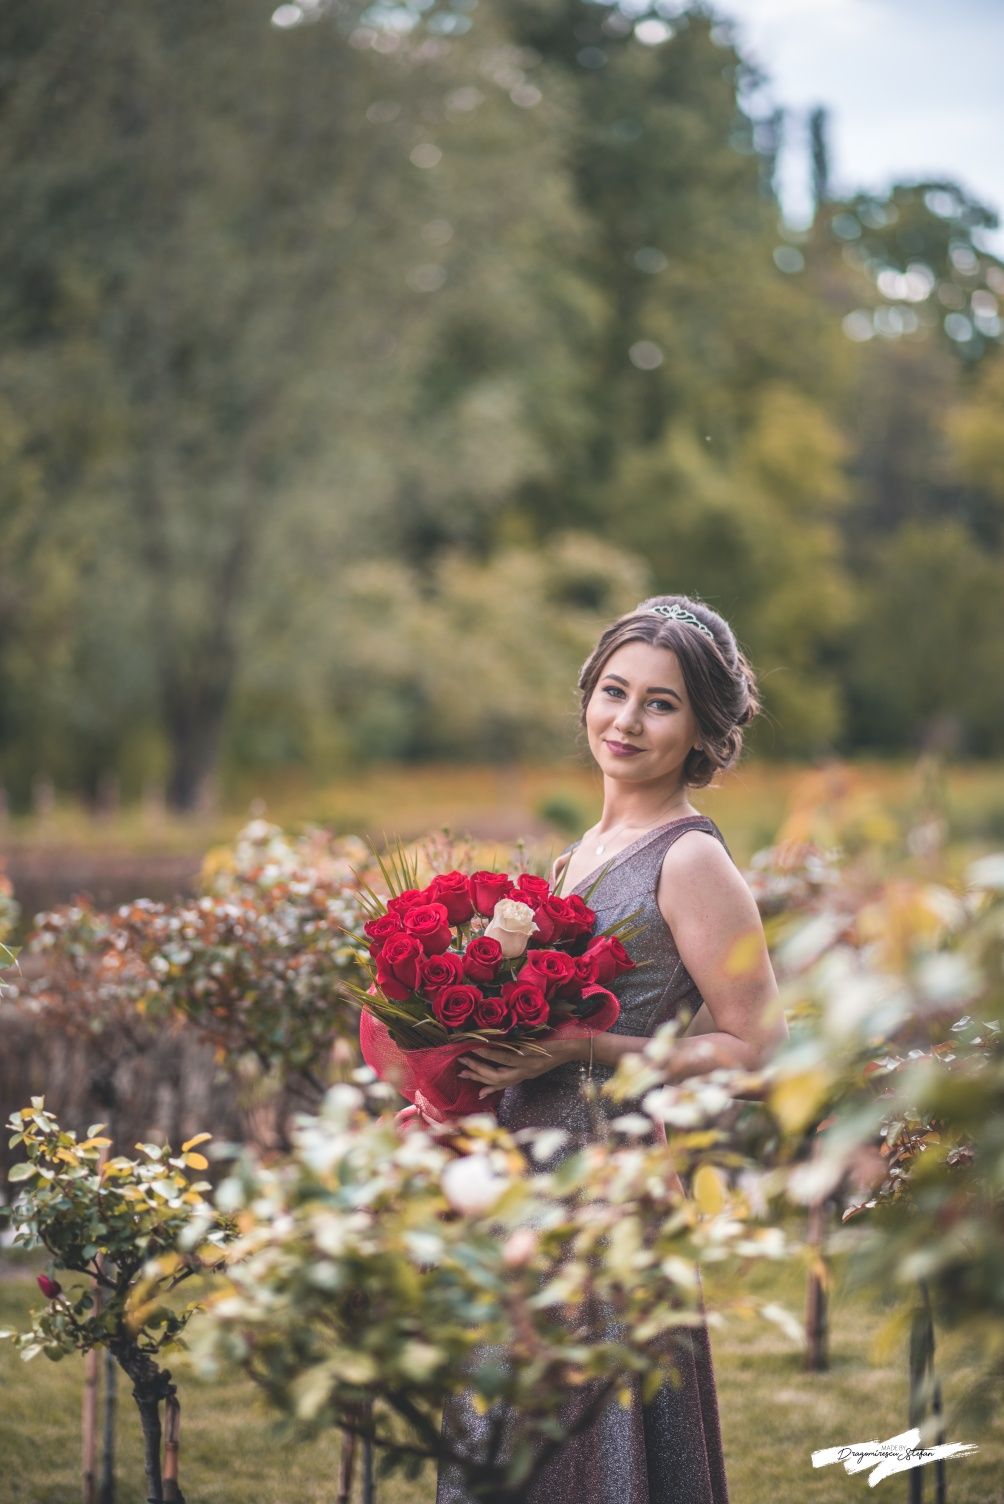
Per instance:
x=668, y=1451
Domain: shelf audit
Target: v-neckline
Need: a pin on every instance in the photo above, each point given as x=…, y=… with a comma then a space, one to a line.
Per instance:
x=615, y=860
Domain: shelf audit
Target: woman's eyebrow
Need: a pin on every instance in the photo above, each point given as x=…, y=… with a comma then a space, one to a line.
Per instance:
x=653, y=689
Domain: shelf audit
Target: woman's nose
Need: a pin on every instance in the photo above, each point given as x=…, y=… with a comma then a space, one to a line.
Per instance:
x=627, y=718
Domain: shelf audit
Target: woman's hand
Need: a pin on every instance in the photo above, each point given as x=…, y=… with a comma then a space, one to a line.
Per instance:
x=497, y=1068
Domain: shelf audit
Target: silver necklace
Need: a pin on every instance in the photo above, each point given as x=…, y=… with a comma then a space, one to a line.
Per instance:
x=601, y=846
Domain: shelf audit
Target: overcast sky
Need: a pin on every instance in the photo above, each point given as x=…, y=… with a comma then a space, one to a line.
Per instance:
x=915, y=88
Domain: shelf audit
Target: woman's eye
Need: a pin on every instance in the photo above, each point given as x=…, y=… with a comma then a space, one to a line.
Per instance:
x=663, y=704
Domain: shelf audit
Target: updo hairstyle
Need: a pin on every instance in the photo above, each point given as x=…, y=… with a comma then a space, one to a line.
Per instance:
x=720, y=683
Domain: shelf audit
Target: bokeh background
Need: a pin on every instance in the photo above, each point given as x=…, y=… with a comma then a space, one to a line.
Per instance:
x=357, y=361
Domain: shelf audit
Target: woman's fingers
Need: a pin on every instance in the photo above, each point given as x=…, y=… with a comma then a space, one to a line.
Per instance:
x=494, y=1055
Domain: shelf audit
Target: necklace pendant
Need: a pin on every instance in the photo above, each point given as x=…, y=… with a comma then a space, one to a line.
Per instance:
x=600, y=849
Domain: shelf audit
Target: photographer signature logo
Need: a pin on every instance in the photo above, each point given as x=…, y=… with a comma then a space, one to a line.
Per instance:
x=887, y=1457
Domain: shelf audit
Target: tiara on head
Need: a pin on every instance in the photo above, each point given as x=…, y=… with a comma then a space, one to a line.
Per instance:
x=680, y=613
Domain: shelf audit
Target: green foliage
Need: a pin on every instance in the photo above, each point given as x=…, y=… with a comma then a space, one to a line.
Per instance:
x=404, y=690
x=383, y=1270
x=255, y=965
x=892, y=985
x=311, y=377
x=105, y=1219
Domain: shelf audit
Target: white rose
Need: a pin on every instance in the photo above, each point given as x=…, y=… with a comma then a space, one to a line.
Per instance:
x=511, y=925
x=471, y=1185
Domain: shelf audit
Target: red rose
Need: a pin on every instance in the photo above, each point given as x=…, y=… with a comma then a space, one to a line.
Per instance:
x=482, y=959
x=580, y=914
x=453, y=889
x=487, y=888
x=611, y=958
x=549, y=970
x=528, y=1004
x=555, y=920
x=406, y=900
x=492, y=1013
x=441, y=971
x=380, y=931
x=536, y=888
x=429, y=923
x=399, y=967
x=587, y=969
x=454, y=1005
x=50, y=1288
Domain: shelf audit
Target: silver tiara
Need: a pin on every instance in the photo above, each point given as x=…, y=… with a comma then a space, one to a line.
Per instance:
x=680, y=613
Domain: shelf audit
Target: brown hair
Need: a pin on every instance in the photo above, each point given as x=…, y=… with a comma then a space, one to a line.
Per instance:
x=721, y=685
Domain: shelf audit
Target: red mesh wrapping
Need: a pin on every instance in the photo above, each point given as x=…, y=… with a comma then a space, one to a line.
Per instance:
x=430, y=1078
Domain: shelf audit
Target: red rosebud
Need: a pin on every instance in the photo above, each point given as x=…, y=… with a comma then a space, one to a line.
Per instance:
x=441, y=971
x=482, y=959
x=430, y=924
x=528, y=1004
x=380, y=930
x=398, y=970
x=493, y=1013
x=611, y=958
x=580, y=914
x=556, y=921
x=453, y=890
x=535, y=889
x=487, y=888
x=406, y=900
x=50, y=1288
x=587, y=969
x=549, y=970
x=453, y=1005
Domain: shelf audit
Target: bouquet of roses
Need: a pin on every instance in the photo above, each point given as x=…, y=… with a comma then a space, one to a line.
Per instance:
x=478, y=959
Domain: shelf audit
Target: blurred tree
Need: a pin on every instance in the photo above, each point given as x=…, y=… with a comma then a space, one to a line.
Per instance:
x=819, y=147
x=302, y=320
x=253, y=231
x=478, y=657
x=927, y=648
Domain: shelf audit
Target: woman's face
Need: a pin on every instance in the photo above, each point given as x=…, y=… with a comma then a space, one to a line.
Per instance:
x=639, y=720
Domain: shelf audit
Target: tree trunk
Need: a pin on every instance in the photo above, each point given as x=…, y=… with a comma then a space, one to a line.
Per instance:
x=172, y=1444
x=149, y=1415
x=346, y=1467
x=369, y=1489
x=817, y=1331
x=194, y=725
x=150, y=1385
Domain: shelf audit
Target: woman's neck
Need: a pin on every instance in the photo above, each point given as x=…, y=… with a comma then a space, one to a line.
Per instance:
x=641, y=808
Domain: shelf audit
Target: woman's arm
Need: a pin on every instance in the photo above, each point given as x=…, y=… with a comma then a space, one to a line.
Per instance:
x=715, y=923
x=707, y=904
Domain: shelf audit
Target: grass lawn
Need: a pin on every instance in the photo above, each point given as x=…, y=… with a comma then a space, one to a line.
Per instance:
x=773, y=1416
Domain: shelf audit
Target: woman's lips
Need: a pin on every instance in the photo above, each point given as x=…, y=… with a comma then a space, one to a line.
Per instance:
x=621, y=749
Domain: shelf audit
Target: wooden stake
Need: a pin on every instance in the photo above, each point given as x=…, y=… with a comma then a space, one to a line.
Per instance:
x=817, y=1356
x=89, y=1413
x=172, y=1441
x=346, y=1467
x=89, y=1425
x=108, y=1441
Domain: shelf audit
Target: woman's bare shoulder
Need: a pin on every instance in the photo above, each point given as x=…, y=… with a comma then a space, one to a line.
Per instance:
x=697, y=866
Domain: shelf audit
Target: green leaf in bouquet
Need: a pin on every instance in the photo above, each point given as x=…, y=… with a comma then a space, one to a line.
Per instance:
x=399, y=871
x=625, y=930
x=601, y=874
x=407, y=1022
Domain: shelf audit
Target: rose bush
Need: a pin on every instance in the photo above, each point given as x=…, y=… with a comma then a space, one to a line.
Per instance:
x=375, y=1274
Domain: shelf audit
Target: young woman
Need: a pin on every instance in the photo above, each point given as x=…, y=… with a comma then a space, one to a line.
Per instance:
x=664, y=699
